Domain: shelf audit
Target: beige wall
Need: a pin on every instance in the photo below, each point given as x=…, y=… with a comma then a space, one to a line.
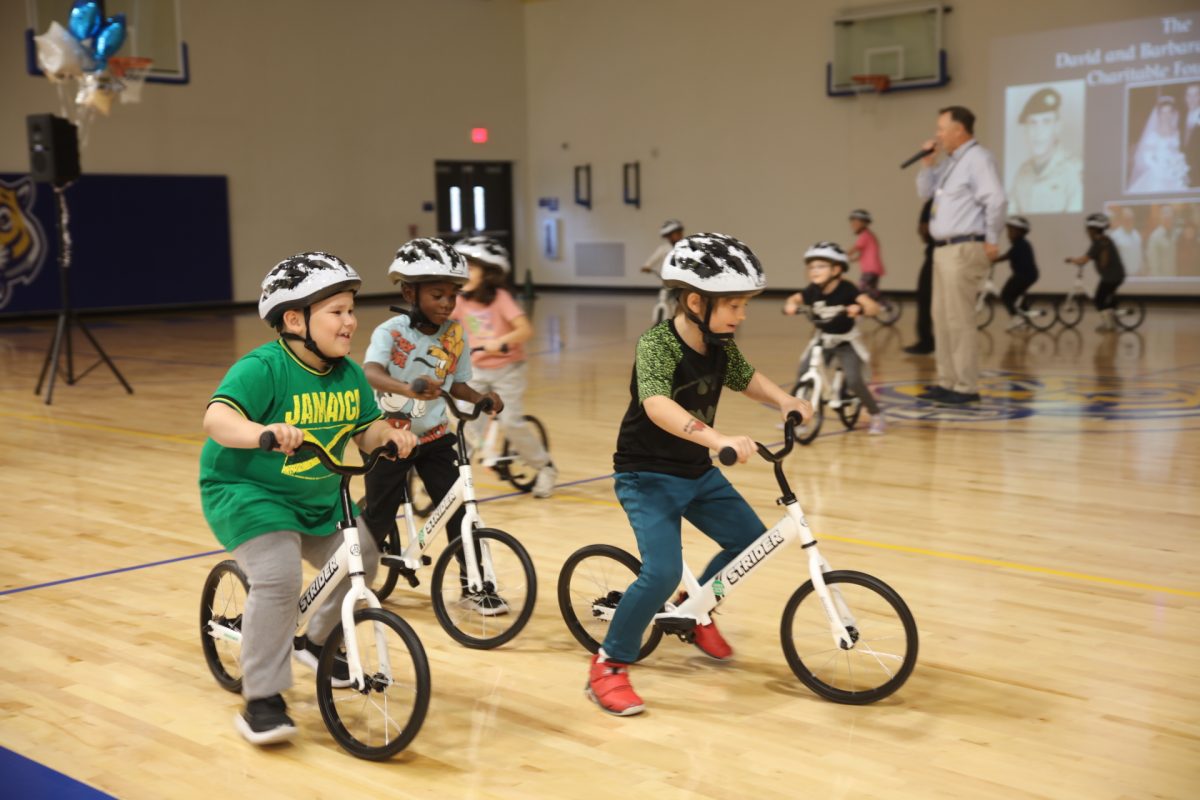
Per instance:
x=326, y=117
x=724, y=105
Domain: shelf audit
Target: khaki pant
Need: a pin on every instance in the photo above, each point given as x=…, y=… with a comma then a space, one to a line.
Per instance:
x=958, y=273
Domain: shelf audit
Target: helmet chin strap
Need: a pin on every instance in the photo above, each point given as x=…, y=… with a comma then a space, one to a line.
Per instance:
x=308, y=342
x=415, y=314
x=702, y=324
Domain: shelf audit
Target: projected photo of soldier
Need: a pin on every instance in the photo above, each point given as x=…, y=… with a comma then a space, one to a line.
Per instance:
x=1050, y=179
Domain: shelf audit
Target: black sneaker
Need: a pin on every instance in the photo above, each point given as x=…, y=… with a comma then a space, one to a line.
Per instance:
x=310, y=655
x=935, y=393
x=265, y=721
x=918, y=349
x=958, y=398
x=485, y=603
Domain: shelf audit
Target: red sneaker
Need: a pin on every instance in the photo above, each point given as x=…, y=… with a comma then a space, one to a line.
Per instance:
x=707, y=637
x=711, y=642
x=608, y=686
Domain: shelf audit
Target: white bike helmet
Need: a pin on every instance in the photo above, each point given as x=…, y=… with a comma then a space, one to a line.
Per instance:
x=302, y=280
x=669, y=227
x=426, y=260
x=1099, y=222
x=485, y=250
x=862, y=214
x=827, y=251
x=1017, y=222
x=713, y=264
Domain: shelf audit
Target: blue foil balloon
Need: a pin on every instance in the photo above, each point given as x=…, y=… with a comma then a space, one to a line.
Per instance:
x=109, y=39
x=85, y=20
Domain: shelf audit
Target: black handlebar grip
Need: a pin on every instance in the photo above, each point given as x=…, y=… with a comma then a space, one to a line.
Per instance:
x=420, y=385
x=390, y=450
x=486, y=405
x=267, y=441
x=727, y=456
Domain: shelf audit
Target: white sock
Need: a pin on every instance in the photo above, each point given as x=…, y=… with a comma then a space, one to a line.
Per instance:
x=601, y=656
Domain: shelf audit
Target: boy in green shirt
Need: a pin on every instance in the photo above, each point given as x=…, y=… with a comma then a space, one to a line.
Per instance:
x=270, y=510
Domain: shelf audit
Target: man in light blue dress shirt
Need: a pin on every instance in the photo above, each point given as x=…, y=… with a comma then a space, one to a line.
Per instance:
x=966, y=222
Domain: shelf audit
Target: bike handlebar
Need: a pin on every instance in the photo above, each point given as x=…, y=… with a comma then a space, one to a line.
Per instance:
x=728, y=456
x=268, y=441
x=503, y=348
x=484, y=406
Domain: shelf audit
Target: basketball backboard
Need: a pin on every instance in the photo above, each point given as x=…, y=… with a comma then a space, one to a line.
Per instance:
x=902, y=42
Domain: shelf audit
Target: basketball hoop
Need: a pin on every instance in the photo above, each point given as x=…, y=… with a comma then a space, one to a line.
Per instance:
x=131, y=71
x=877, y=83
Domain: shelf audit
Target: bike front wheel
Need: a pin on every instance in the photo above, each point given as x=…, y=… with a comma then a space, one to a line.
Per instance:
x=590, y=586
x=806, y=390
x=1040, y=314
x=883, y=629
x=1069, y=311
x=512, y=468
x=1129, y=312
x=382, y=717
x=493, y=616
x=985, y=309
x=222, y=605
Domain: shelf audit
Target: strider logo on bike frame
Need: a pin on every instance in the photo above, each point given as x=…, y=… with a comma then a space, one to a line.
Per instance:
x=318, y=584
x=756, y=555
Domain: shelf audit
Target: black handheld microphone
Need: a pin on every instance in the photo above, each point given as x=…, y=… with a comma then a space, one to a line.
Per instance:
x=916, y=158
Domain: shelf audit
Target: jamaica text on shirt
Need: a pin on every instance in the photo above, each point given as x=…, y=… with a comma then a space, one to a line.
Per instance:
x=313, y=408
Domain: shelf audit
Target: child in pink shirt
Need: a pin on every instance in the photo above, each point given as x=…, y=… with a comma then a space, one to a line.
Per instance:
x=497, y=329
x=866, y=252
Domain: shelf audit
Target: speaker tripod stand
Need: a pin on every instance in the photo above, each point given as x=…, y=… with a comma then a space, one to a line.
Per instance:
x=67, y=318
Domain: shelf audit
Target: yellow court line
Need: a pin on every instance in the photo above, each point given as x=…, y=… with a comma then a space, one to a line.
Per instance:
x=92, y=426
x=990, y=562
x=995, y=562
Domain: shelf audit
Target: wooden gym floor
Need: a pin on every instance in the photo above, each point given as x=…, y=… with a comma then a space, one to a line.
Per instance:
x=1046, y=542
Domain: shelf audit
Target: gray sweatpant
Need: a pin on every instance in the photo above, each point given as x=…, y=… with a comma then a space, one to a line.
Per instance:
x=854, y=369
x=508, y=381
x=272, y=565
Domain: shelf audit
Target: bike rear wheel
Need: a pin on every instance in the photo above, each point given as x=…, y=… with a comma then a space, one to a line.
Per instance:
x=223, y=602
x=380, y=719
x=592, y=581
x=984, y=311
x=805, y=390
x=1069, y=311
x=1129, y=312
x=510, y=466
x=850, y=408
x=478, y=621
x=884, y=631
x=889, y=311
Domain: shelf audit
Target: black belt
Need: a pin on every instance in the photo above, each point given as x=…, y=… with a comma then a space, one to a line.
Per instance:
x=972, y=237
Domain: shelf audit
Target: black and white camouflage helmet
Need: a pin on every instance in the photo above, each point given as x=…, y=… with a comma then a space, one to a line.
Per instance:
x=669, y=227
x=425, y=260
x=861, y=214
x=713, y=264
x=1017, y=222
x=1098, y=221
x=302, y=280
x=827, y=251
x=485, y=250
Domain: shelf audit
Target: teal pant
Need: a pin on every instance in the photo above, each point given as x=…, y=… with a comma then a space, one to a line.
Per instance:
x=656, y=503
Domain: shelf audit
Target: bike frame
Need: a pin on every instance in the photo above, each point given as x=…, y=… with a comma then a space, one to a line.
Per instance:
x=825, y=388
x=346, y=560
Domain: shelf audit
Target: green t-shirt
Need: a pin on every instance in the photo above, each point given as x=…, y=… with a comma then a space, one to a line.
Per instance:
x=246, y=493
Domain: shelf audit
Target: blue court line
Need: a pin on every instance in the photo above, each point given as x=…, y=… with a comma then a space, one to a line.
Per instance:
x=30, y=780
x=136, y=567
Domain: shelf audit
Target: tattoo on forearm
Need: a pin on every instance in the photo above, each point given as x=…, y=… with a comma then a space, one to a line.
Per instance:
x=694, y=426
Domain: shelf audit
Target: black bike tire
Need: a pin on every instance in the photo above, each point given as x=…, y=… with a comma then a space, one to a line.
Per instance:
x=521, y=618
x=626, y=559
x=227, y=681
x=831, y=692
x=325, y=698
